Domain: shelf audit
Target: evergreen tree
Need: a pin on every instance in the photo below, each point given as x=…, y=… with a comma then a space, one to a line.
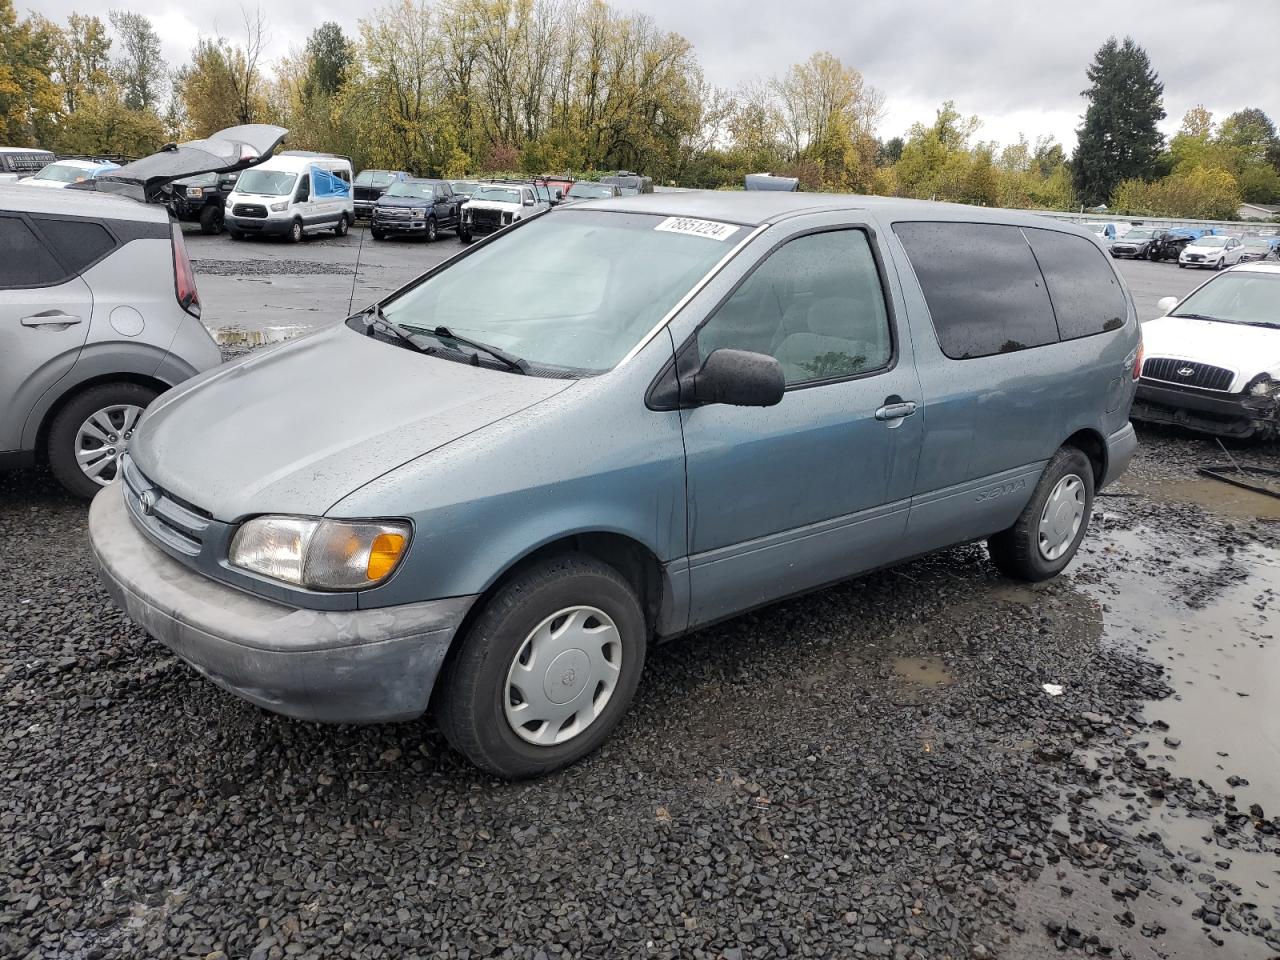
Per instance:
x=1119, y=139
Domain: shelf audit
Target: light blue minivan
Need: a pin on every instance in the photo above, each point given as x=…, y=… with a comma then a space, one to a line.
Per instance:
x=609, y=425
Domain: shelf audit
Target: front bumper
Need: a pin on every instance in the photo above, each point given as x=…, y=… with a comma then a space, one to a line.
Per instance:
x=266, y=226
x=358, y=666
x=1129, y=254
x=1211, y=264
x=406, y=225
x=1236, y=415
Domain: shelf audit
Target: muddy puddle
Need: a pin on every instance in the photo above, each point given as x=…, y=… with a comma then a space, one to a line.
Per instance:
x=923, y=672
x=1217, y=497
x=236, y=336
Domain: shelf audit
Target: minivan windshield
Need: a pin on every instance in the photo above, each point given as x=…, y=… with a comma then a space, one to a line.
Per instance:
x=1241, y=296
x=562, y=292
x=408, y=188
x=267, y=183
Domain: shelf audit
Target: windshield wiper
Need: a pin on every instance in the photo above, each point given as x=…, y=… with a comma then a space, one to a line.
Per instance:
x=1201, y=316
x=510, y=361
x=380, y=319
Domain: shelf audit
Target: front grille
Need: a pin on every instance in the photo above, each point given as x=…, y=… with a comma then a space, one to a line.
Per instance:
x=1195, y=258
x=249, y=210
x=394, y=213
x=1187, y=373
x=175, y=524
x=486, y=218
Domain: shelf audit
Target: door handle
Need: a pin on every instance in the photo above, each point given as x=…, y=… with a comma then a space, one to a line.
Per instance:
x=50, y=318
x=897, y=410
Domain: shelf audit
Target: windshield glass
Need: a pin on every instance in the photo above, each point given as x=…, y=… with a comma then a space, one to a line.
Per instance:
x=1097, y=227
x=629, y=191
x=407, y=188
x=590, y=191
x=463, y=186
x=562, y=291
x=269, y=183
x=63, y=173
x=373, y=178
x=499, y=194
x=1239, y=296
x=1211, y=242
x=1257, y=243
x=202, y=180
x=1139, y=234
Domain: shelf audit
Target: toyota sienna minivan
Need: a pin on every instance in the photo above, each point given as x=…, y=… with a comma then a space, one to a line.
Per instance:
x=502, y=483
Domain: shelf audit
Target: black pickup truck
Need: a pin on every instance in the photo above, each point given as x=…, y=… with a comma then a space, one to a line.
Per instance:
x=370, y=185
x=200, y=199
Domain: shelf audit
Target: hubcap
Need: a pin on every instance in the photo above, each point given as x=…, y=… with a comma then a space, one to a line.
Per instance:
x=563, y=676
x=102, y=438
x=1062, y=517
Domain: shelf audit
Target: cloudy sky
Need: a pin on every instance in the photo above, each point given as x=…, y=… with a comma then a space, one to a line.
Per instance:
x=1017, y=65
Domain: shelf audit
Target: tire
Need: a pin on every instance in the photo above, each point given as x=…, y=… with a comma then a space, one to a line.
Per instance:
x=431, y=230
x=211, y=221
x=377, y=234
x=295, y=232
x=474, y=692
x=1181, y=265
x=464, y=236
x=63, y=442
x=1220, y=264
x=1017, y=552
x=340, y=228
x=234, y=234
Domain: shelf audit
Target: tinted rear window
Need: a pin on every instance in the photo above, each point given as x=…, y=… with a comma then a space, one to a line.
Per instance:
x=24, y=261
x=77, y=242
x=983, y=287
x=1086, y=295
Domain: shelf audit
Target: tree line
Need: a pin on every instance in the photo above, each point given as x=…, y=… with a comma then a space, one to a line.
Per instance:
x=459, y=87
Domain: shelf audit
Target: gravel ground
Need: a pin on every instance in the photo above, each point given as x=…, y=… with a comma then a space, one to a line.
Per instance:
x=873, y=770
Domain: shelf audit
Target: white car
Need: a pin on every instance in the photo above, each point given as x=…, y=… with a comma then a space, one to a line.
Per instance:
x=1214, y=251
x=497, y=205
x=63, y=173
x=1212, y=363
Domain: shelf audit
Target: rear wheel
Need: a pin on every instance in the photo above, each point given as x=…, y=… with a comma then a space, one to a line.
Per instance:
x=546, y=670
x=211, y=220
x=90, y=433
x=295, y=232
x=1047, y=533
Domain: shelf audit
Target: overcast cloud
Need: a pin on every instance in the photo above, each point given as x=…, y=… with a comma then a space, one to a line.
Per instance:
x=1018, y=66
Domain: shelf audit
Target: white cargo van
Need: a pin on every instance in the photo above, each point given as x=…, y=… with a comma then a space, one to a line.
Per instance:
x=294, y=193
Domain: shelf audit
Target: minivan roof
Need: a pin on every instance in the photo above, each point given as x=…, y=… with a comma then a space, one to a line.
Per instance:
x=79, y=203
x=753, y=208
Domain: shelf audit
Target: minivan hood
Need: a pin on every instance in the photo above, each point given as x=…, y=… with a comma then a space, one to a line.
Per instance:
x=1248, y=350
x=298, y=427
x=234, y=148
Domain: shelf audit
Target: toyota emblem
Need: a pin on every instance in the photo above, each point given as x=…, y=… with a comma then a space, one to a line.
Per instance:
x=147, y=502
x=1186, y=371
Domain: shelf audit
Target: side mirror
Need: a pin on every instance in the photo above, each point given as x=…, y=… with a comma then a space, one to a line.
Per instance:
x=1166, y=304
x=528, y=202
x=739, y=378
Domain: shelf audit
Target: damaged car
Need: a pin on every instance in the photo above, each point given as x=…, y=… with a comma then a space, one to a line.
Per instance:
x=1213, y=361
x=497, y=205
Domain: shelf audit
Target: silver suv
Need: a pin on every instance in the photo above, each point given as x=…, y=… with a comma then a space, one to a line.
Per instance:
x=99, y=312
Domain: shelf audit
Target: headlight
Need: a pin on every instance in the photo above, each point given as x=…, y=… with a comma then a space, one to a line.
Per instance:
x=320, y=554
x=1264, y=386
x=417, y=212
x=195, y=192
x=280, y=207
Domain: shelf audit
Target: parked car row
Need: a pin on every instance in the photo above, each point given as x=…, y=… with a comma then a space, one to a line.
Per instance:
x=1190, y=248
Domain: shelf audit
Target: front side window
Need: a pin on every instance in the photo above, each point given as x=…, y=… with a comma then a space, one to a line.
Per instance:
x=1086, y=295
x=24, y=261
x=982, y=285
x=563, y=292
x=815, y=304
x=267, y=183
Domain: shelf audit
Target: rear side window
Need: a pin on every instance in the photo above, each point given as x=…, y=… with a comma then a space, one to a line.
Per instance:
x=1086, y=295
x=77, y=242
x=983, y=287
x=24, y=261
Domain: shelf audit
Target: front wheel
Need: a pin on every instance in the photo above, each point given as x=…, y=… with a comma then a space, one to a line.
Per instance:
x=211, y=220
x=295, y=232
x=340, y=228
x=90, y=433
x=1220, y=264
x=464, y=235
x=1047, y=533
x=546, y=670
x=431, y=229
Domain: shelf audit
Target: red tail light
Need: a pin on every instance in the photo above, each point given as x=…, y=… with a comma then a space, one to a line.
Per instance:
x=1137, y=357
x=184, y=277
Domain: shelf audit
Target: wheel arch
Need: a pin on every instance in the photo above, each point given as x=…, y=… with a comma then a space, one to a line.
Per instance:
x=46, y=421
x=1092, y=444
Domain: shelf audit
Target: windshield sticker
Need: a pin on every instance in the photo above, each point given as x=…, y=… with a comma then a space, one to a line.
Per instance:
x=709, y=229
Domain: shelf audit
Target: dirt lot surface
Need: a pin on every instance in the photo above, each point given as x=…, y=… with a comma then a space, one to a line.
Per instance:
x=929, y=762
